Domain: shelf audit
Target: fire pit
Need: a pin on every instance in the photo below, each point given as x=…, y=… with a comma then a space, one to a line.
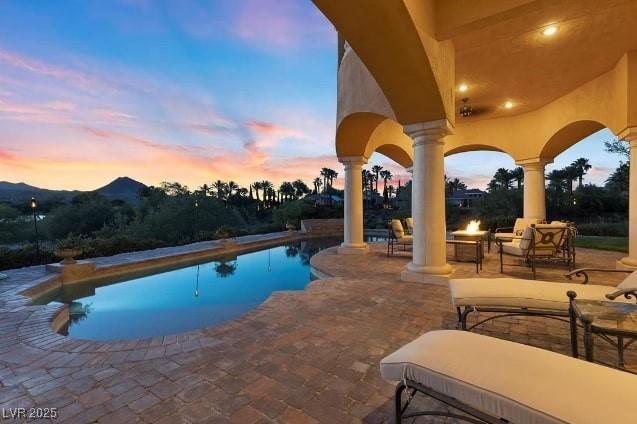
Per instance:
x=471, y=233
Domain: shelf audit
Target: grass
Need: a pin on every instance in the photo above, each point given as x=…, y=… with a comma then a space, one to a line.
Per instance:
x=616, y=244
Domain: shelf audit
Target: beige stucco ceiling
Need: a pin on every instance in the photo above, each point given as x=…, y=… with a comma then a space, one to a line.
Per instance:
x=504, y=56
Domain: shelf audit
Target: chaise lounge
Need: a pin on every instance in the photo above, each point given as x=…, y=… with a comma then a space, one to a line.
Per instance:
x=515, y=296
x=498, y=381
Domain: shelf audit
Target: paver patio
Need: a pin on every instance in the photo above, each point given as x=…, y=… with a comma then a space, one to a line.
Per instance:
x=302, y=357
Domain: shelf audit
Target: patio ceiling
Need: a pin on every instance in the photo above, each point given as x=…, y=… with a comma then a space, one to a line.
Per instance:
x=502, y=54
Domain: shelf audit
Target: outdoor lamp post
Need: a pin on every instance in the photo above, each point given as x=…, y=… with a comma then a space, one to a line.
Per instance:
x=196, y=219
x=34, y=208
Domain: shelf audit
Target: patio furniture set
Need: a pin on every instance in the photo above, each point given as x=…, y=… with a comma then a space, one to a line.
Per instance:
x=530, y=240
x=487, y=380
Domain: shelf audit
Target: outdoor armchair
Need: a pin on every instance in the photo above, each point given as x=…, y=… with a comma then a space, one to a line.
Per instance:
x=546, y=242
x=396, y=236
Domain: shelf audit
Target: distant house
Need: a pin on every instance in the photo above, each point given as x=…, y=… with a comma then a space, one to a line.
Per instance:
x=464, y=198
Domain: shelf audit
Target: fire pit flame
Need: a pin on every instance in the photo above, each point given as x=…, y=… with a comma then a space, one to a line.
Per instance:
x=473, y=227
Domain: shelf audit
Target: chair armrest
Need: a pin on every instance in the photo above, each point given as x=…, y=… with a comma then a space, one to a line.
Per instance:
x=502, y=230
x=627, y=293
x=583, y=272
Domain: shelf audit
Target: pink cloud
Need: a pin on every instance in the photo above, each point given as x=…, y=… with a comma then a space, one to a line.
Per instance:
x=283, y=24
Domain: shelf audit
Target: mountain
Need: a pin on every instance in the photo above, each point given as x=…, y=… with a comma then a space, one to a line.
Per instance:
x=122, y=188
x=21, y=192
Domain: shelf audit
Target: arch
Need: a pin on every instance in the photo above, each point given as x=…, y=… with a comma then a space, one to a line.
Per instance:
x=396, y=56
x=472, y=148
x=363, y=133
x=569, y=135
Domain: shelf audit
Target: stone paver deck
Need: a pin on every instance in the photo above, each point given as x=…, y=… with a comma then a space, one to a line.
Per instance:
x=301, y=357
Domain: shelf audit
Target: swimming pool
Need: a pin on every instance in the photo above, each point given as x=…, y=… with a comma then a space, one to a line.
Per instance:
x=187, y=298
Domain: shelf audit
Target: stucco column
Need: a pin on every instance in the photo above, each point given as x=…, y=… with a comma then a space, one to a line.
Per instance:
x=429, y=256
x=630, y=261
x=353, y=242
x=534, y=187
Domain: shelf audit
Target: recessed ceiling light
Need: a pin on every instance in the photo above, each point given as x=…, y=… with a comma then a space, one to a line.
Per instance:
x=508, y=104
x=549, y=30
x=463, y=87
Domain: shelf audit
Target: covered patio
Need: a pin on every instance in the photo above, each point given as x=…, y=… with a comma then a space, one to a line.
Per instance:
x=407, y=69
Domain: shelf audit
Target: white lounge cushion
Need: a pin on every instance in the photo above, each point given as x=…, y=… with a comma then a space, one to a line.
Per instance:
x=520, y=383
x=520, y=293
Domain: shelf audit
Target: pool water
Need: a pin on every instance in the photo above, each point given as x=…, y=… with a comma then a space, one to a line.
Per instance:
x=188, y=298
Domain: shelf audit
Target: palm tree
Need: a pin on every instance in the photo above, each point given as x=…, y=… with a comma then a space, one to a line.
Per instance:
x=332, y=176
x=220, y=187
x=518, y=175
x=232, y=187
x=386, y=175
x=257, y=187
x=204, y=189
x=300, y=188
x=242, y=191
x=556, y=179
x=317, y=184
x=376, y=170
x=570, y=174
x=581, y=167
x=266, y=186
x=324, y=173
x=454, y=185
x=503, y=178
x=287, y=190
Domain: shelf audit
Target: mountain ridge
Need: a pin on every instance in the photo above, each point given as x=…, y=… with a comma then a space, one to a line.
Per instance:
x=121, y=188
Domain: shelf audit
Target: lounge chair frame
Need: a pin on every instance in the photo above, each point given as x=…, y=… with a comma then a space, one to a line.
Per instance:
x=413, y=388
x=503, y=312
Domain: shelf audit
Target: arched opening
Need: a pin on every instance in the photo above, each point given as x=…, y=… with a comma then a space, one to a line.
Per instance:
x=568, y=136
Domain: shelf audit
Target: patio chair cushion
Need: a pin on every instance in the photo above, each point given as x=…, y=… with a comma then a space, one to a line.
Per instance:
x=520, y=293
x=522, y=223
x=629, y=282
x=410, y=223
x=504, y=236
x=520, y=383
x=397, y=228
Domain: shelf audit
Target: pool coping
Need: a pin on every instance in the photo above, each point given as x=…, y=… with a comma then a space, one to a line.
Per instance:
x=31, y=330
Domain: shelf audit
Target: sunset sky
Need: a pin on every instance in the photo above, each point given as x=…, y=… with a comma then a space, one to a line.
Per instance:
x=183, y=90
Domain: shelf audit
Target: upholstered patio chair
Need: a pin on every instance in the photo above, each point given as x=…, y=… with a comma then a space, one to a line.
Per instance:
x=396, y=236
x=549, y=242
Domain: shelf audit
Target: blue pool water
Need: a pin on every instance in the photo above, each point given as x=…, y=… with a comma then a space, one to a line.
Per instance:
x=188, y=298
